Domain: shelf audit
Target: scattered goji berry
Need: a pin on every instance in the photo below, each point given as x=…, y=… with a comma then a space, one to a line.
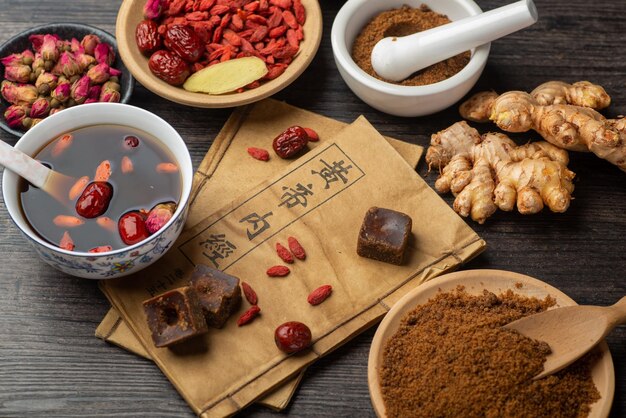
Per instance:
x=78, y=187
x=320, y=294
x=248, y=315
x=284, y=253
x=296, y=248
x=313, y=136
x=278, y=271
x=249, y=293
x=259, y=154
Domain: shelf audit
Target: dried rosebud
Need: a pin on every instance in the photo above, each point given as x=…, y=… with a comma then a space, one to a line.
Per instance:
x=75, y=46
x=152, y=9
x=104, y=53
x=111, y=85
x=99, y=73
x=159, y=216
x=38, y=62
x=34, y=122
x=80, y=89
x=57, y=110
x=67, y=65
x=84, y=60
x=36, y=41
x=110, y=96
x=40, y=108
x=17, y=73
x=89, y=43
x=46, y=82
x=23, y=58
x=49, y=50
x=62, y=92
x=15, y=115
x=18, y=94
x=94, y=93
x=114, y=72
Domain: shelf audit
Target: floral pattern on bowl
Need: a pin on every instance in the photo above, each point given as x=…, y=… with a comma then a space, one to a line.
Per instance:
x=117, y=264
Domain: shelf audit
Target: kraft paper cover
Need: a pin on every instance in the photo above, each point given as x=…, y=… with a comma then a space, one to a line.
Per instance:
x=321, y=199
x=213, y=186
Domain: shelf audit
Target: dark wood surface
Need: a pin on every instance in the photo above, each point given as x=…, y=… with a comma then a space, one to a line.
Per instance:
x=52, y=365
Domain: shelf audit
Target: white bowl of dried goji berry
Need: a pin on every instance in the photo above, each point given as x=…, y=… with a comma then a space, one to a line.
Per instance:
x=285, y=34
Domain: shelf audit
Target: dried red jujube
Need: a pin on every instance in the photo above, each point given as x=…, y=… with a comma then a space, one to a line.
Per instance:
x=94, y=200
x=169, y=67
x=147, y=37
x=183, y=41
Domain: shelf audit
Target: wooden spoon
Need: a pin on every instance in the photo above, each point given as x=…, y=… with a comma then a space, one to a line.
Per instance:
x=52, y=182
x=571, y=331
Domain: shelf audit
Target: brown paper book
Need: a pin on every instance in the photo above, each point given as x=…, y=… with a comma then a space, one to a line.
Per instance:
x=321, y=199
x=212, y=183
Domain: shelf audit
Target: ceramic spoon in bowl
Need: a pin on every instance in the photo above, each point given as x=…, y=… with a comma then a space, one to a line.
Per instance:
x=50, y=181
x=570, y=331
x=396, y=58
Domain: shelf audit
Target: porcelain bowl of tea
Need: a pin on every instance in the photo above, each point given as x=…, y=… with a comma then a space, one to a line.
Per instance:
x=128, y=194
x=396, y=99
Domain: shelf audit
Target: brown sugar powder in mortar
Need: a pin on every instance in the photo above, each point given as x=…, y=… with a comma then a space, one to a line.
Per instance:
x=450, y=358
x=402, y=22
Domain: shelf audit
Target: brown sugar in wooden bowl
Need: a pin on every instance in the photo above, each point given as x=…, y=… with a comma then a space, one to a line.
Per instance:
x=131, y=13
x=474, y=282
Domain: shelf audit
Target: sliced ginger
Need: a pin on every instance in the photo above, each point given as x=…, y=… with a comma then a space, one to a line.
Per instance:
x=227, y=76
x=490, y=171
x=563, y=114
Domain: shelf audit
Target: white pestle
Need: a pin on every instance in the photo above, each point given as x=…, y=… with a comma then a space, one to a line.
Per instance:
x=396, y=58
x=50, y=181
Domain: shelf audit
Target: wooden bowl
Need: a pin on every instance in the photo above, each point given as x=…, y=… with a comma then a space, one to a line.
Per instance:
x=474, y=281
x=131, y=13
x=20, y=42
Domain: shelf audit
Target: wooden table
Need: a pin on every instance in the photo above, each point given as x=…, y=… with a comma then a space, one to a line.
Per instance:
x=50, y=362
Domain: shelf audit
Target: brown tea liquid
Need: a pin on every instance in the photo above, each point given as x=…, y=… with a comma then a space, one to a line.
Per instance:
x=140, y=189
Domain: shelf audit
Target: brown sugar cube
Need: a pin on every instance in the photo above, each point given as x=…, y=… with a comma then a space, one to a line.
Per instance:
x=384, y=235
x=175, y=316
x=219, y=293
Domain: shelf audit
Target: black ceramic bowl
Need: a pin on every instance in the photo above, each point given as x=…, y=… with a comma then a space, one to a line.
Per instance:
x=20, y=42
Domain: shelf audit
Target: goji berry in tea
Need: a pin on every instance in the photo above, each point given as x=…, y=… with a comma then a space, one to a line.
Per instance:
x=103, y=172
x=278, y=271
x=249, y=315
x=67, y=243
x=292, y=337
x=296, y=249
x=249, y=293
x=290, y=142
x=320, y=294
x=166, y=168
x=78, y=187
x=284, y=253
x=67, y=221
x=259, y=154
x=127, y=165
x=101, y=249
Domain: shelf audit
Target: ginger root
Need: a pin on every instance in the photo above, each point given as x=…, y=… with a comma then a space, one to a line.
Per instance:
x=563, y=114
x=490, y=171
